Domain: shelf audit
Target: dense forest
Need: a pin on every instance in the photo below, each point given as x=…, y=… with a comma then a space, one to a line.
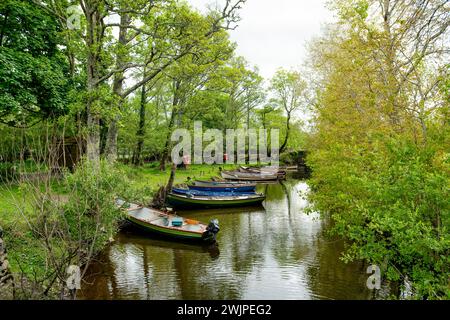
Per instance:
x=106, y=82
x=126, y=76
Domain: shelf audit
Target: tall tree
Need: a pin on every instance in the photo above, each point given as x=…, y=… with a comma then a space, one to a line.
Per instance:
x=289, y=90
x=190, y=75
x=163, y=24
x=174, y=33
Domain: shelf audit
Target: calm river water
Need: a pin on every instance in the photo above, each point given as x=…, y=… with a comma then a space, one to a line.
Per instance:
x=275, y=252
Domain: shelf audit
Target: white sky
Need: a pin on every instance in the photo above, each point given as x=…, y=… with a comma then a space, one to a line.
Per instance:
x=273, y=33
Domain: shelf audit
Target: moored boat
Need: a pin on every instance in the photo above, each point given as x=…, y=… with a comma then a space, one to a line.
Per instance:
x=215, y=193
x=170, y=225
x=236, y=175
x=222, y=187
x=223, y=182
x=190, y=201
x=263, y=170
x=290, y=168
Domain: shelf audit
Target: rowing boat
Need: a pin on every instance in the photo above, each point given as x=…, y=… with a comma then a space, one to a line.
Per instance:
x=289, y=168
x=222, y=187
x=215, y=193
x=191, y=201
x=263, y=170
x=223, y=182
x=169, y=225
x=236, y=175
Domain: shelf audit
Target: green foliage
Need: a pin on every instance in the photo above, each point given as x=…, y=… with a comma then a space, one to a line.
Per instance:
x=7, y=171
x=380, y=157
x=91, y=212
x=48, y=231
x=397, y=212
x=32, y=67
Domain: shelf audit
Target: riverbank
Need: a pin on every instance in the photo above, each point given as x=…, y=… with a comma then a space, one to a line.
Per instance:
x=277, y=251
x=28, y=252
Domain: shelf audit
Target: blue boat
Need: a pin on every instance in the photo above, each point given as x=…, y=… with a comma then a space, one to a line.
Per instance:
x=204, y=193
x=224, y=188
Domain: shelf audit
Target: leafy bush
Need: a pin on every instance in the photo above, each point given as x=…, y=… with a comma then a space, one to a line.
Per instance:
x=393, y=206
x=64, y=230
x=91, y=212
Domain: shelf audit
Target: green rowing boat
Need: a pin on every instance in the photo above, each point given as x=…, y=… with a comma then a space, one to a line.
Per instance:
x=162, y=223
x=188, y=201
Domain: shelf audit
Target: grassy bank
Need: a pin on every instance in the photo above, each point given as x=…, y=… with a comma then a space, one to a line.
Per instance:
x=149, y=175
x=27, y=253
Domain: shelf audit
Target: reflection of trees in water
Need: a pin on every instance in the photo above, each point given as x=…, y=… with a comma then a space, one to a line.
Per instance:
x=287, y=245
x=328, y=276
x=300, y=239
x=201, y=280
x=275, y=193
x=182, y=275
x=334, y=279
x=146, y=272
x=249, y=241
x=288, y=197
x=281, y=240
x=100, y=282
x=242, y=245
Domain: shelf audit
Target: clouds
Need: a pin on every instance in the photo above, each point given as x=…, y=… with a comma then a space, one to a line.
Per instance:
x=273, y=34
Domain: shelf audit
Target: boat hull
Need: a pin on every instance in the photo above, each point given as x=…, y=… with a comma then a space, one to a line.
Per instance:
x=213, y=193
x=223, y=189
x=176, y=234
x=180, y=201
x=169, y=225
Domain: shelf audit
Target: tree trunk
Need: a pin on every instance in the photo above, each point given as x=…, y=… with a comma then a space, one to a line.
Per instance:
x=171, y=179
x=390, y=77
x=104, y=129
x=165, y=154
x=175, y=103
x=288, y=129
x=94, y=34
x=93, y=127
x=111, y=140
x=248, y=116
x=141, y=129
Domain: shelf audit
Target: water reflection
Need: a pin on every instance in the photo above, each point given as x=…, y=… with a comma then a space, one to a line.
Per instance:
x=275, y=252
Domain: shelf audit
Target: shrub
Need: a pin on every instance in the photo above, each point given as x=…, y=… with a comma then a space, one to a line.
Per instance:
x=392, y=204
x=64, y=230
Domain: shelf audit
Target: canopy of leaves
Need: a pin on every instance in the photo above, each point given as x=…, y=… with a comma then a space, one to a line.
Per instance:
x=33, y=69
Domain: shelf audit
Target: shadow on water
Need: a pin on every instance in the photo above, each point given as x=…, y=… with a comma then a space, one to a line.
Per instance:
x=271, y=252
x=131, y=233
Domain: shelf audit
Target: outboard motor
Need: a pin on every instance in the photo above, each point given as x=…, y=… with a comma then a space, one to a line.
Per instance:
x=211, y=231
